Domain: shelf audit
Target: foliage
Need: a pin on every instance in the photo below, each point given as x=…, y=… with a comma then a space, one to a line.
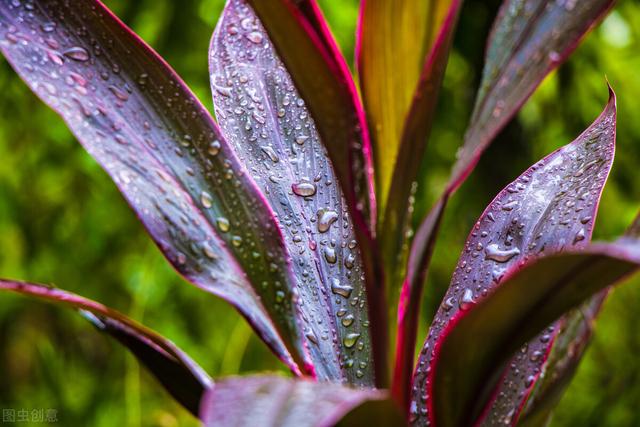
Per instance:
x=301, y=246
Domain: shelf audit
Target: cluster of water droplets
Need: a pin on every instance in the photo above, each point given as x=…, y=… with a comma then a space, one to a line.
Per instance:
x=270, y=127
x=548, y=208
x=162, y=149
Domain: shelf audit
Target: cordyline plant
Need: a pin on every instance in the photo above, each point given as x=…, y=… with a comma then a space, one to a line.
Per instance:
x=295, y=205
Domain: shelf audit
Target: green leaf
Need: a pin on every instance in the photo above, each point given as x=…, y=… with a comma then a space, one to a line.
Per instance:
x=396, y=42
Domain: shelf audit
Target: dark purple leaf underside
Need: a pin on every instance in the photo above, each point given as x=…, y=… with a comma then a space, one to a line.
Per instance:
x=533, y=295
x=570, y=344
x=136, y=117
x=263, y=116
x=181, y=376
x=529, y=40
x=273, y=401
x=549, y=208
x=574, y=334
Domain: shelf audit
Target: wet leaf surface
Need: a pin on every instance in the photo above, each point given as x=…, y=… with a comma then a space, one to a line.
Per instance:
x=265, y=119
x=549, y=208
x=136, y=117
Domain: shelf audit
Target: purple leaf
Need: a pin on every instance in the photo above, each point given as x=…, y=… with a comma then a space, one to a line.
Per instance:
x=549, y=208
x=273, y=401
x=263, y=116
x=568, y=348
x=135, y=116
x=470, y=356
x=529, y=39
x=180, y=376
x=574, y=332
x=302, y=39
x=305, y=45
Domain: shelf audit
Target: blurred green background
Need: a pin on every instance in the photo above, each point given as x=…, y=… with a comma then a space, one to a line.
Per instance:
x=63, y=222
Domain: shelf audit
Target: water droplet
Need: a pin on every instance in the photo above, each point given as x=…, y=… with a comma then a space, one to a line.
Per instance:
x=143, y=78
x=120, y=94
x=312, y=337
x=208, y=251
x=349, y=261
x=529, y=381
x=77, y=53
x=585, y=219
x=449, y=303
x=510, y=205
x=48, y=27
x=535, y=356
x=351, y=339
x=347, y=320
x=300, y=139
x=182, y=259
x=236, y=241
x=223, y=224
x=326, y=217
x=255, y=37
x=206, y=199
x=330, y=255
x=466, y=300
x=214, y=148
x=494, y=253
x=270, y=152
x=340, y=289
x=304, y=189
x=279, y=296
x=580, y=236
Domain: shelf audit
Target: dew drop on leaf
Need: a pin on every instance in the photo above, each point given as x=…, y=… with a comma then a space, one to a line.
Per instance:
x=351, y=339
x=494, y=253
x=214, y=148
x=77, y=53
x=304, y=189
x=338, y=288
x=326, y=217
x=223, y=224
x=206, y=199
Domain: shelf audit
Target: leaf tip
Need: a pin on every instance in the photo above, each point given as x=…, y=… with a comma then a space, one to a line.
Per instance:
x=612, y=94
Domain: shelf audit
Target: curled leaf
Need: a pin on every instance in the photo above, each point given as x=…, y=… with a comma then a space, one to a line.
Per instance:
x=180, y=376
